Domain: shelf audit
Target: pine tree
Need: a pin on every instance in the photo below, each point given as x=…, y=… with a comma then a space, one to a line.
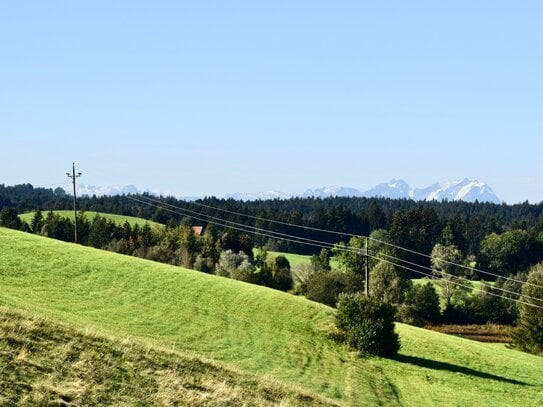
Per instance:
x=37, y=222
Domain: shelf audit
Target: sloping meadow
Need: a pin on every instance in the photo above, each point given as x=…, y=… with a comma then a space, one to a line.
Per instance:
x=254, y=330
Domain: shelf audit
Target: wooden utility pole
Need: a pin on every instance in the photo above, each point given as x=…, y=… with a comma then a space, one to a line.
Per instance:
x=367, y=271
x=73, y=176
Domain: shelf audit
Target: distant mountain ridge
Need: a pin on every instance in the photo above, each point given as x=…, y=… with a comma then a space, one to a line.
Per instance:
x=459, y=190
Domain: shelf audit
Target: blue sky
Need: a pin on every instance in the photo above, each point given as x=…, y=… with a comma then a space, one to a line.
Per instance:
x=209, y=97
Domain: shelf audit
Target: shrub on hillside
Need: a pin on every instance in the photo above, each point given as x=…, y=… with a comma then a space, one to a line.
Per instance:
x=204, y=264
x=9, y=218
x=367, y=324
x=281, y=274
x=236, y=266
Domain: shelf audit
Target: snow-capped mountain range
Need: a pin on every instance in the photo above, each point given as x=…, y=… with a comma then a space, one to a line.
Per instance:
x=460, y=190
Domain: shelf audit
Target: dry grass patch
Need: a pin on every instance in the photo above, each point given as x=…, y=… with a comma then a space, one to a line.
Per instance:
x=491, y=333
x=46, y=363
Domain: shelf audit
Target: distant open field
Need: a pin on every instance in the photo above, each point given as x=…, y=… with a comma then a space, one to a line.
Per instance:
x=118, y=219
x=252, y=329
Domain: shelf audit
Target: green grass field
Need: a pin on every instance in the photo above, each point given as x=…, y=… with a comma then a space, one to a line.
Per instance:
x=255, y=330
x=295, y=260
x=47, y=363
x=118, y=219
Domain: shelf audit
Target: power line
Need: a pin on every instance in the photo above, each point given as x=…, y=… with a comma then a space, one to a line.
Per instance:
x=466, y=286
x=455, y=264
x=344, y=234
x=277, y=235
x=452, y=275
x=320, y=244
x=275, y=221
x=247, y=228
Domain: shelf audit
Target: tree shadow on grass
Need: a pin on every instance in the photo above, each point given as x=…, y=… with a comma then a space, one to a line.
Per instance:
x=434, y=364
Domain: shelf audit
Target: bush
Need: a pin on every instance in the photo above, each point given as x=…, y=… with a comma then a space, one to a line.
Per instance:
x=236, y=266
x=9, y=218
x=367, y=324
x=326, y=287
x=281, y=276
x=421, y=305
x=204, y=264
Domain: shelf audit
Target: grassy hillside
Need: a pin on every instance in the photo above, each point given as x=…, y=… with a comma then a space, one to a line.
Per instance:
x=46, y=363
x=118, y=219
x=254, y=329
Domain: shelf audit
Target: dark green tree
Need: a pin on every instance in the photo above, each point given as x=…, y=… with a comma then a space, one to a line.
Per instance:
x=367, y=324
x=37, y=222
x=416, y=229
x=376, y=217
x=528, y=335
x=281, y=275
x=9, y=218
x=512, y=251
x=101, y=232
x=147, y=237
x=326, y=287
x=421, y=305
x=447, y=262
x=321, y=262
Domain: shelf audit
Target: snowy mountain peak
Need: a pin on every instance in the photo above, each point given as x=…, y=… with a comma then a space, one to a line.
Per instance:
x=394, y=189
x=459, y=190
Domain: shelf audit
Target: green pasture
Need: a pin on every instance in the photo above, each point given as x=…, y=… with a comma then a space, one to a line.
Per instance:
x=118, y=219
x=254, y=330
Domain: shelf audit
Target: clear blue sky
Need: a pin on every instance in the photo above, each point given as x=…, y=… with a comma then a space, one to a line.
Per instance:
x=212, y=97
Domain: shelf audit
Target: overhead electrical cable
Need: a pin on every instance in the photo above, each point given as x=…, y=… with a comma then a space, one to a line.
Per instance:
x=252, y=229
x=274, y=221
x=455, y=264
x=303, y=240
x=451, y=275
x=465, y=286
